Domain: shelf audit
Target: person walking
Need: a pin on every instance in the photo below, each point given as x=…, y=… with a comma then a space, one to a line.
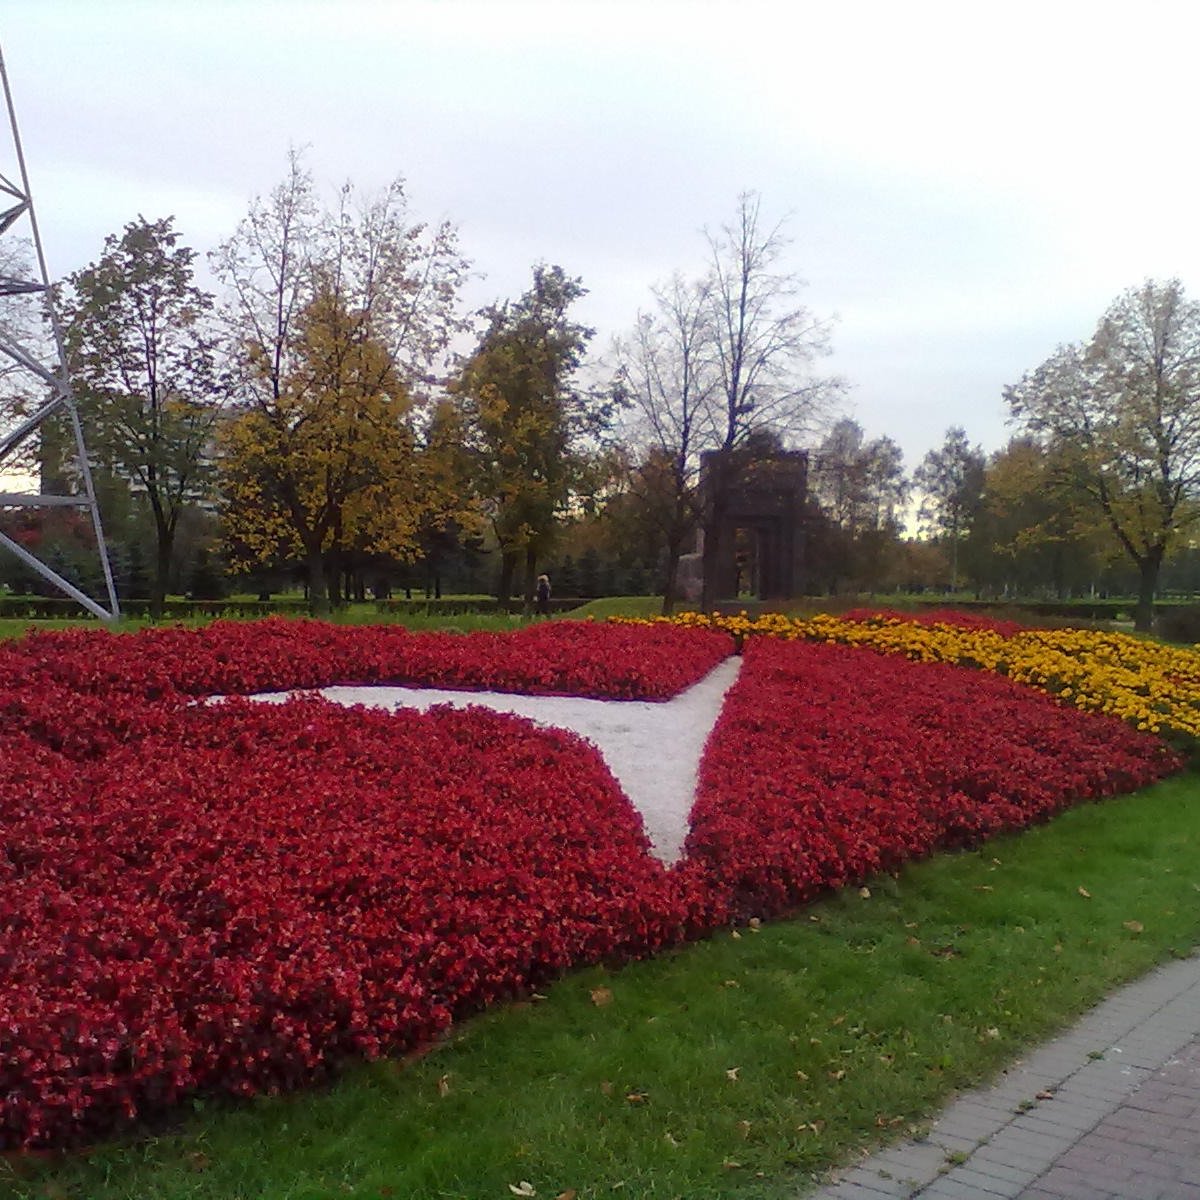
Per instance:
x=542, y=595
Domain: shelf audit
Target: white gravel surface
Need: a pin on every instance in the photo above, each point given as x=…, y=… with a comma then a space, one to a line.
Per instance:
x=653, y=749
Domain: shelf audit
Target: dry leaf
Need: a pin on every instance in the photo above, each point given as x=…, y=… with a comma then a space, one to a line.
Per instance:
x=802, y=1076
x=912, y=941
x=983, y=887
x=732, y=1074
x=837, y=1074
x=198, y=1161
x=637, y=1097
x=601, y=996
x=669, y=1139
x=569, y=1194
x=1044, y=1096
x=744, y=1128
x=731, y=983
x=991, y=1032
x=444, y=1085
x=865, y=893
x=730, y=1165
x=606, y=1087
x=1134, y=926
x=733, y=933
x=524, y=1188
x=838, y=1019
x=1085, y=893
x=536, y=996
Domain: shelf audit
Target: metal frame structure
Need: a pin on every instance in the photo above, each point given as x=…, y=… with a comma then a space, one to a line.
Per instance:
x=55, y=377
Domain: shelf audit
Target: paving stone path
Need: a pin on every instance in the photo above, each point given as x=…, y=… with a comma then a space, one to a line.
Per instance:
x=1108, y=1111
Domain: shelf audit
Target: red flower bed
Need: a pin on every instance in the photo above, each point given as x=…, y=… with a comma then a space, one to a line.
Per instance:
x=573, y=658
x=832, y=762
x=250, y=893
x=235, y=897
x=939, y=616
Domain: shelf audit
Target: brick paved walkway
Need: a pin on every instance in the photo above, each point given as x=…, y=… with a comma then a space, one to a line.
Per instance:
x=1108, y=1111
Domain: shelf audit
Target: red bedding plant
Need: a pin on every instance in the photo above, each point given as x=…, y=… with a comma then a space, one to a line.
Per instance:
x=831, y=762
x=939, y=616
x=250, y=893
x=575, y=658
x=235, y=897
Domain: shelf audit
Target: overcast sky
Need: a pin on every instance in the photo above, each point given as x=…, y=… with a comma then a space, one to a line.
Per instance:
x=966, y=185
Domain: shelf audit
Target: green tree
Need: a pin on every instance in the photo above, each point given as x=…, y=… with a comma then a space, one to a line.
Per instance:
x=531, y=423
x=141, y=344
x=950, y=478
x=860, y=486
x=1031, y=533
x=1128, y=404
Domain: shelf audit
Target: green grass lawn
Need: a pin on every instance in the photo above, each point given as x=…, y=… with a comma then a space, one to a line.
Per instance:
x=742, y=1066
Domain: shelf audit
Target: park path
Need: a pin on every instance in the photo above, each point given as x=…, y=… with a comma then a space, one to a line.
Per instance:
x=1110, y=1110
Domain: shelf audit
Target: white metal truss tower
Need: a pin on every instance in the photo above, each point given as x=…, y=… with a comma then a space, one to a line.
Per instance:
x=18, y=206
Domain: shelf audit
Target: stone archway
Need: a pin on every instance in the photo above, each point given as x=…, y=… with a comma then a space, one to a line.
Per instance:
x=754, y=525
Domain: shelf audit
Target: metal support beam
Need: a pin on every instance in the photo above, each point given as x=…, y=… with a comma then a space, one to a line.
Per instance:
x=55, y=376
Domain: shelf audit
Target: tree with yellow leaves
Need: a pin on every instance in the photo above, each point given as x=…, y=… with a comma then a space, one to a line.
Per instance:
x=338, y=320
x=330, y=465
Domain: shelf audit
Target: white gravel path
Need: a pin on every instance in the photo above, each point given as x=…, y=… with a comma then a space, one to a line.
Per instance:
x=653, y=749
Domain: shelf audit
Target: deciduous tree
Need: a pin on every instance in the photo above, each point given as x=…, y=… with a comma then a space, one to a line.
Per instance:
x=765, y=346
x=384, y=289
x=668, y=373
x=530, y=419
x=950, y=479
x=1128, y=403
x=141, y=344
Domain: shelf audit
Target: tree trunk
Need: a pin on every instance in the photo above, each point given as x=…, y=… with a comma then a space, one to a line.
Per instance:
x=318, y=584
x=530, y=578
x=1143, y=620
x=162, y=570
x=508, y=568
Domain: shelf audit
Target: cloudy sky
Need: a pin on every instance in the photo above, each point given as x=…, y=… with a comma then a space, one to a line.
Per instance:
x=965, y=185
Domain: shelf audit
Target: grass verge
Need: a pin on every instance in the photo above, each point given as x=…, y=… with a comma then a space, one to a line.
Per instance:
x=740, y=1067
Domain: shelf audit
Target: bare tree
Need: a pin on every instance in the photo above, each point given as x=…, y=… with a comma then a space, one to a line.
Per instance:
x=765, y=345
x=667, y=372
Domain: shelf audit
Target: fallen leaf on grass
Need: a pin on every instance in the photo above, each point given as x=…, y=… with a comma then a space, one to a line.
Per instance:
x=637, y=1097
x=1084, y=893
x=744, y=1128
x=524, y=1188
x=606, y=1087
x=802, y=1076
x=732, y=1074
x=569, y=1194
x=730, y=1165
x=1134, y=926
x=601, y=996
x=444, y=1085
x=731, y=983
x=865, y=893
